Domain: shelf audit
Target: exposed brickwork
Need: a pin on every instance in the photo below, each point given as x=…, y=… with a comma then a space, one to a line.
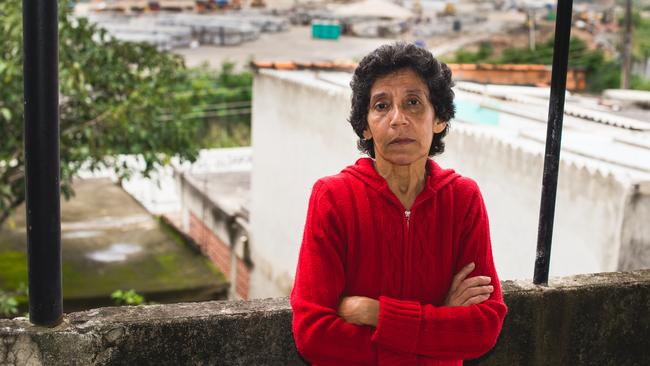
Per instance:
x=243, y=279
x=211, y=245
x=220, y=254
x=539, y=75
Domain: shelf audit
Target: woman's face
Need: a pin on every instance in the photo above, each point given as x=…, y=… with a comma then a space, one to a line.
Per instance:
x=401, y=119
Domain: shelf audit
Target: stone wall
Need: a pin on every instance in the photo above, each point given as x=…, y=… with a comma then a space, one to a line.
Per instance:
x=596, y=319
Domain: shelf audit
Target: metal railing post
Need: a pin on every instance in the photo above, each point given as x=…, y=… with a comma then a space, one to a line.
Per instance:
x=41, y=102
x=553, y=140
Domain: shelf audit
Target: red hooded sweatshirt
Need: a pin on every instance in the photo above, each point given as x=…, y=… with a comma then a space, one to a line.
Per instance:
x=360, y=241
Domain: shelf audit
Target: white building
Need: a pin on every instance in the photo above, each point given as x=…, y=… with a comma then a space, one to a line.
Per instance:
x=300, y=133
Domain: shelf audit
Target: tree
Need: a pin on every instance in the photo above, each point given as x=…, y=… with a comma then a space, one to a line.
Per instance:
x=115, y=98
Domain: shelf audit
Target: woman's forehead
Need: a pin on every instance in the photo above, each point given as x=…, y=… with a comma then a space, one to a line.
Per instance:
x=405, y=80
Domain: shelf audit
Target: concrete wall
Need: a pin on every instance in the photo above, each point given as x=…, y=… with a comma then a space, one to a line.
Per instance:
x=601, y=319
x=635, y=236
x=589, y=204
x=221, y=236
x=300, y=133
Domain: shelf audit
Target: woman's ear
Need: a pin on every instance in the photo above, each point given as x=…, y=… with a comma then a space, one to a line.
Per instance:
x=367, y=135
x=439, y=126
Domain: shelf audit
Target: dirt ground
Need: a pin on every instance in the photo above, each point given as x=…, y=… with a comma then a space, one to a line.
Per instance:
x=296, y=44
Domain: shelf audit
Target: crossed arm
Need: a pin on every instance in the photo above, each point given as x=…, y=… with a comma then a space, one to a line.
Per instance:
x=463, y=291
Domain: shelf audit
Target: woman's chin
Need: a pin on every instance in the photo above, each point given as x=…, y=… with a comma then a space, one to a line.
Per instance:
x=403, y=159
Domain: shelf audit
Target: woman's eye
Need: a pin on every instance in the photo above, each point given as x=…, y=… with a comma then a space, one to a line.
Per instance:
x=413, y=102
x=381, y=106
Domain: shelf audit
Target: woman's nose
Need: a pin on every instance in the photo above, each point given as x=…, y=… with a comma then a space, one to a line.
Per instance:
x=397, y=117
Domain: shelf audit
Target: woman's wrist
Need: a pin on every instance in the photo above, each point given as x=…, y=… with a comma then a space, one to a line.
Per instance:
x=371, y=311
x=359, y=310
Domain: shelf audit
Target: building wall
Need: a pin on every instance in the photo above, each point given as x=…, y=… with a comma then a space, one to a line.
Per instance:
x=299, y=134
x=212, y=231
x=589, y=204
x=291, y=152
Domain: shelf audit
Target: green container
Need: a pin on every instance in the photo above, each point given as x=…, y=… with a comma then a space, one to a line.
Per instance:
x=325, y=30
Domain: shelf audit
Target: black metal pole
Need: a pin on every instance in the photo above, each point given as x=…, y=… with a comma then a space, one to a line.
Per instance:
x=553, y=140
x=40, y=70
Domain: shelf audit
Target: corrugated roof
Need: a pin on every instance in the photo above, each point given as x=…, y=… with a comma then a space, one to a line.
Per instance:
x=296, y=65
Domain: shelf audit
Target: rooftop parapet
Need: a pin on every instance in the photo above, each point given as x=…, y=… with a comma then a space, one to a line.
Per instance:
x=594, y=319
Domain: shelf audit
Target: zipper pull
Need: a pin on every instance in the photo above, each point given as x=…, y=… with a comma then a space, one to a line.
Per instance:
x=408, y=217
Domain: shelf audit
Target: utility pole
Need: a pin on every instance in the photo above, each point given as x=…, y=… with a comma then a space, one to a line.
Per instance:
x=627, y=47
x=531, y=29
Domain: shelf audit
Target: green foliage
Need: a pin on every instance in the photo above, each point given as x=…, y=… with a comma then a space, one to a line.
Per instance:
x=129, y=297
x=8, y=305
x=639, y=83
x=467, y=57
x=600, y=72
x=641, y=38
x=222, y=110
x=14, y=269
x=115, y=98
x=10, y=302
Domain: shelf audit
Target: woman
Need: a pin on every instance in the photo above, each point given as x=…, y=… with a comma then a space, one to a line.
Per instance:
x=396, y=265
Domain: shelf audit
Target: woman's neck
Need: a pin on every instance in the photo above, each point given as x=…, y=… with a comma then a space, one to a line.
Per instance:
x=405, y=181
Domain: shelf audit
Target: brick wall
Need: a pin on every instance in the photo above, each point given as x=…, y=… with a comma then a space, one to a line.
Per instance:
x=220, y=254
x=243, y=279
x=515, y=75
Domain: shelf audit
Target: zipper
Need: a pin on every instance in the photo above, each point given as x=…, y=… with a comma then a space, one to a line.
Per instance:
x=407, y=253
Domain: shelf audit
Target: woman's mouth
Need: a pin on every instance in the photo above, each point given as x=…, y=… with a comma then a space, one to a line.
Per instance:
x=401, y=141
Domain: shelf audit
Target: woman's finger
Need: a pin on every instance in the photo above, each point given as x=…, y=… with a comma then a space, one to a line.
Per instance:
x=473, y=282
x=461, y=275
x=475, y=300
x=475, y=291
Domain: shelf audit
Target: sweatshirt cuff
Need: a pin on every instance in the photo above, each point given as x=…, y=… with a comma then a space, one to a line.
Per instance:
x=398, y=325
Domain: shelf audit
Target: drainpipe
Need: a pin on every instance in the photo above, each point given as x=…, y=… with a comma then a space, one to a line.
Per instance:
x=41, y=103
x=553, y=141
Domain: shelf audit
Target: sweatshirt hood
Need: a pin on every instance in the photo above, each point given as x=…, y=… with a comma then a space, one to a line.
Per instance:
x=364, y=170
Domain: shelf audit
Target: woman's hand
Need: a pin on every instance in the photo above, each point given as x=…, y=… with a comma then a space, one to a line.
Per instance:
x=468, y=291
x=359, y=310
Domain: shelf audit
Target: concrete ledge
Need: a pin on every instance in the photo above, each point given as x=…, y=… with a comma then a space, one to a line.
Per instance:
x=601, y=319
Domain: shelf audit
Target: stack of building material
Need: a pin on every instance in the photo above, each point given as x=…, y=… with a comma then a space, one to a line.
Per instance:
x=213, y=30
x=165, y=37
x=265, y=23
x=378, y=28
x=170, y=31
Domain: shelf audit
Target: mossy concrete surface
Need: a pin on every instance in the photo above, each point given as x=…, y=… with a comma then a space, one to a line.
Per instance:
x=110, y=242
x=597, y=319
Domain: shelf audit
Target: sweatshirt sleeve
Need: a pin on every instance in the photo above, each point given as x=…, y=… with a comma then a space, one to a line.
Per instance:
x=322, y=337
x=441, y=332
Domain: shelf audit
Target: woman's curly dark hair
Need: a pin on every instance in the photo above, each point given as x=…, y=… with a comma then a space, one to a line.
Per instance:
x=390, y=58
